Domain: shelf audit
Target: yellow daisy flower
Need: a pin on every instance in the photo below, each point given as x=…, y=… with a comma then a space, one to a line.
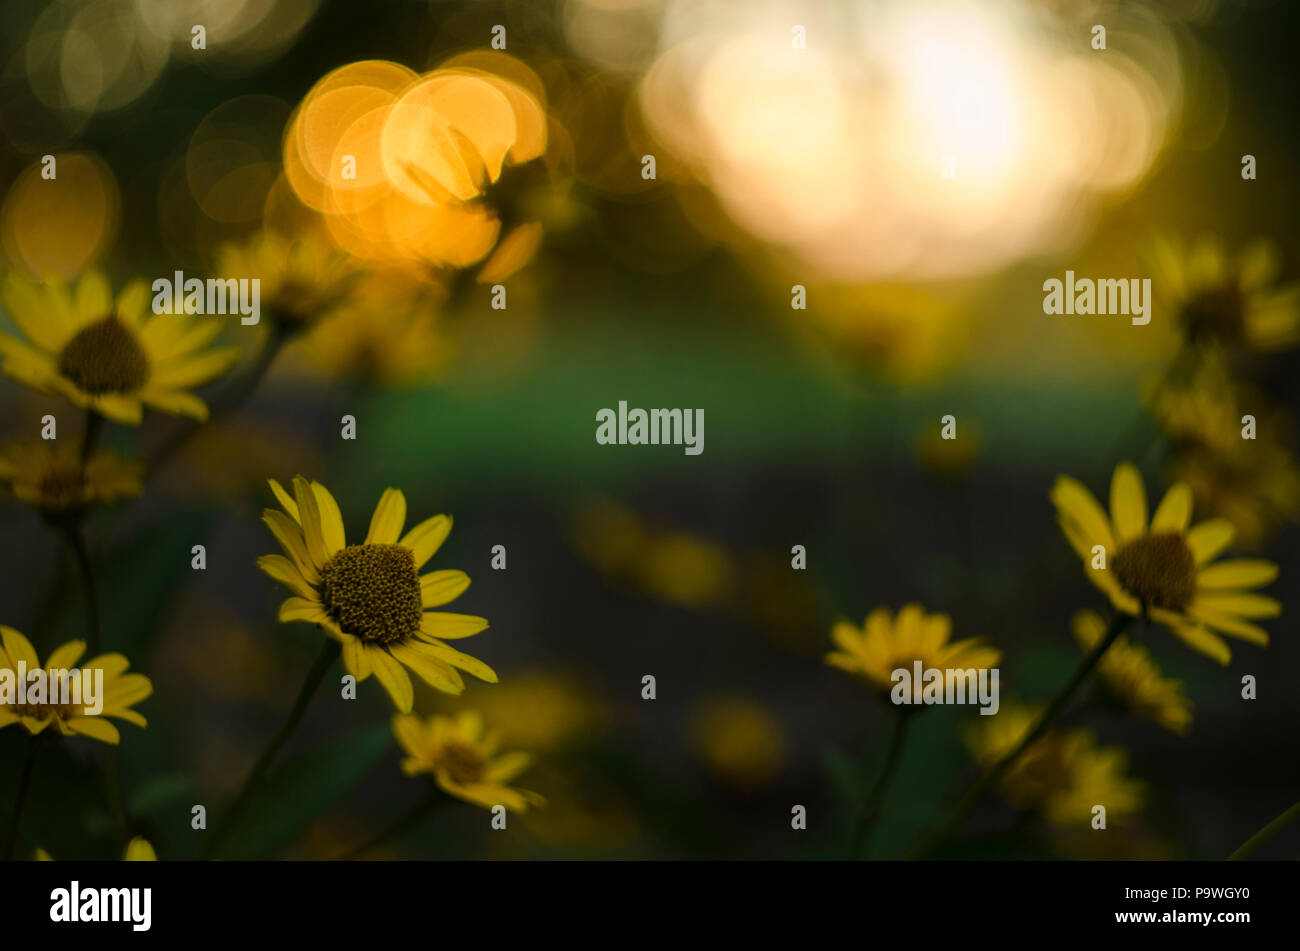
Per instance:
x=52, y=477
x=463, y=759
x=1162, y=569
x=122, y=691
x=1133, y=677
x=885, y=644
x=1224, y=299
x=371, y=597
x=1063, y=774
x=111, y=357
x=302, y=280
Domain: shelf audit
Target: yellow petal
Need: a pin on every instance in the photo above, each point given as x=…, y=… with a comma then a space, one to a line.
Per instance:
x=66, y=657
x=1174, y=511
x=286, y=572
x=1210, y=538
x=389, y=518
x=289, y=534
x=1239, y=573
x=442, y=587
x=430, y=669
x=97, y=728
x=1237, y=604
x=285, y=499
x=1201, y=640
x=331, y=521
x=1077, y=505
x=309, y=512
x=449, y=627
x=20, y=649
x=425, y=539
x=301, y=609
x=392, y=676
x=1233, y=627
x=355, y=658
x=1128, y=503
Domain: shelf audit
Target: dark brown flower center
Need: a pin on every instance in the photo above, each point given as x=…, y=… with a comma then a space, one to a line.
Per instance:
x=1218, y=314
x=462, y=763
x=373, y=592
x=1159, y=570
x=63, y=489
x=105, y=357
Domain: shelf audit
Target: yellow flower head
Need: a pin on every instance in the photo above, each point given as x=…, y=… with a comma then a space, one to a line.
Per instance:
x=463, y=759
x=1228, y=300
x=371, y=597
x=121, y=691
x=1133, y=677
x=1063, y=774
x=739, y=742
x=302, y=280
x=1162, y=569
x=885, y=644
x=52, y=477
x=110, y=357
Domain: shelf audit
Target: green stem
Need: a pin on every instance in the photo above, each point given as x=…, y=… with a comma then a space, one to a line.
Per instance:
x=871, y=807
x=1266, y=833
x=113, y=793
x=402, y=825
x=20, y=799
x=324, y=660
x=977, y=793
x=76, y=538
x=90, y=435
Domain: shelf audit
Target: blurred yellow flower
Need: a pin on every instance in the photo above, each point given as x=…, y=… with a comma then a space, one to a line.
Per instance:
x=371, y=597
x=1253, y=483
x=1133, y=677
x=540, y=711
x=1063, y=774
x=463, y=759
x=1255, y=491
x=121, y=691
x=137, y=850
x=302, y=280
x=739, y=742
x=674, y=566
x=1227, y=300
x=106, y=356
x=885, y=644
x=1162, y=569
x=52, y=477
x=902, y=332
x=388, y=331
